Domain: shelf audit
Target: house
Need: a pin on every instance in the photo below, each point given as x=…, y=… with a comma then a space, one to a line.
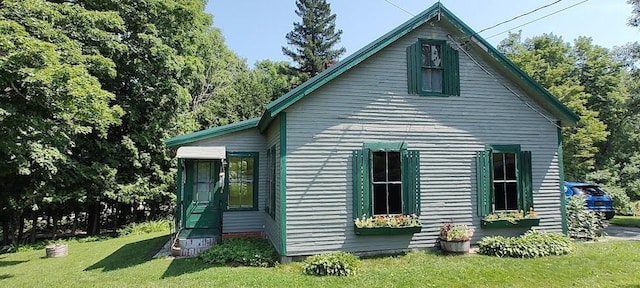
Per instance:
x=429, y=119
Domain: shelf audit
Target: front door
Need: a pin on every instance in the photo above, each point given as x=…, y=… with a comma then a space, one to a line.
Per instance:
x=202, y=195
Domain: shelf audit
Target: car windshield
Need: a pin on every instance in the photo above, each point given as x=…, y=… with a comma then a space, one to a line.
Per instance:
x=588, y=190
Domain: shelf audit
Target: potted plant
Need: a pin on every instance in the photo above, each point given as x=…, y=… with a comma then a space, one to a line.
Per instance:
x=511, y=219
x=455, y=238
x=387, y=225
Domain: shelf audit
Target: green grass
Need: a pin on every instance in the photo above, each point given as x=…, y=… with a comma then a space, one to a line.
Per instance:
x=627, y=221
x=124, y=262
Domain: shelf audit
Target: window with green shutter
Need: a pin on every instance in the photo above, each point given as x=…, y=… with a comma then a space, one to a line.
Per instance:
x=503, y=179
x=386, y=180
x=433, y=68
x=270, y=204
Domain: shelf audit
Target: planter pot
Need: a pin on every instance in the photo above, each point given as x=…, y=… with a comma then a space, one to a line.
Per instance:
x=506, y=224
x=57, y=250
x=387, y=230
x=455, y=246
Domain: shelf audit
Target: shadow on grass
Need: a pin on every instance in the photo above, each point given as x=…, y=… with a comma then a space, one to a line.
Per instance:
x=184, y=266
x=131, y=254
x=5, y=276
x=9, y=263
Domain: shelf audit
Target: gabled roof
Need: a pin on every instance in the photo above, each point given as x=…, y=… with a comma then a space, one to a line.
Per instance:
x=212, y=132
x=550, y=102
x=538, y=93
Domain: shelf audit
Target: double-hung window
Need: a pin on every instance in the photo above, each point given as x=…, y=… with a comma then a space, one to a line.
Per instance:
x=242, y=188
x=503, y=179
x=432, y=68
x=270, y=204
x=386, y=180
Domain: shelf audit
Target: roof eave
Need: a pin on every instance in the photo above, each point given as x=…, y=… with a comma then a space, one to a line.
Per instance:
x=212, y=132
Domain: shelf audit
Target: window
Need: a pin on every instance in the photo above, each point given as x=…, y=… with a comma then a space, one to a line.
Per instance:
x=503, y=179
x=204, y=181
x=432, y=68
x=242, y=189
x=270, y=205
x=386, y=180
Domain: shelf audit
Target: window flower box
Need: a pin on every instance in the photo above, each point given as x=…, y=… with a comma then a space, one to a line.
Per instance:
x=387, y=225
x=511, y=219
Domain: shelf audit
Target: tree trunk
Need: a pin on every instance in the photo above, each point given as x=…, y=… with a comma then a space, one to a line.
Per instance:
x=55, y=226
x=21, y=229
x=74, y=226
x=115, y=217
x=34, y=225
x=5, y=231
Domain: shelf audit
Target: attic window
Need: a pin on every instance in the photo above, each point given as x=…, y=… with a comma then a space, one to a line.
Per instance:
x=432, y=68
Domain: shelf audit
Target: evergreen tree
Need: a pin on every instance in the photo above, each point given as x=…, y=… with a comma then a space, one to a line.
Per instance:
x=313, y=39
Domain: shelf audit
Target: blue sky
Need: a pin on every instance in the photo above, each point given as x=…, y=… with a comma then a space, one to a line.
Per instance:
x=256, y=29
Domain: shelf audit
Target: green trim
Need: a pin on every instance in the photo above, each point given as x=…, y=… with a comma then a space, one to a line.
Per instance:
x=365, y=231
x=386, y=146
x=502, y=148
x=212, y=132
x=271, y=160
x=283, y=183
x=563, y=198
x=506, y=224
x=552, y=103
x=555, y=106
x=256, y=170
x=450, y=62
x=179, y=187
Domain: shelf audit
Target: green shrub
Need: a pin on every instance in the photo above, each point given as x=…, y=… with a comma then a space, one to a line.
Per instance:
x=635, y=208
x=532, y=244
x=332, y=264
x=581, y=222
x=145, y=227
x=241, y=251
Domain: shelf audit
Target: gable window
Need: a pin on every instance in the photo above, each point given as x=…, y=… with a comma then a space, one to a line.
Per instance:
x=432, y=68
x=242, y=189
x=270, y=205
x=386, y=180
x=503, y=179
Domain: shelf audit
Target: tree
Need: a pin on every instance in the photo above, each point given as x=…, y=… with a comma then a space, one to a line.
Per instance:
x=635, y=13
x=313, y=39
x=551, y=62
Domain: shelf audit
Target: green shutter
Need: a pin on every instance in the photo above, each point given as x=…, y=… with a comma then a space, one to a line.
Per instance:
x=413, y=68
x=526, y=180
x=483, y=182
x=451, y=84
x=361, y=183
x=411, y=181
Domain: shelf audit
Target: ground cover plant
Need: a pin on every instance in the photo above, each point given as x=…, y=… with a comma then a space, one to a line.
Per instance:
x=532, y=244
x=331, y=264
x=241, y=251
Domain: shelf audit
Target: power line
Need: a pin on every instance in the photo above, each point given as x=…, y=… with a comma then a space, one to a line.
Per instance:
x=394, y=5
x=537, y=19
x=519, y=16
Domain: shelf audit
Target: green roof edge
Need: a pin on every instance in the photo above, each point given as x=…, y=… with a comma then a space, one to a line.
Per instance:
x=569, y=115
x=211, y=132
x=334, y=71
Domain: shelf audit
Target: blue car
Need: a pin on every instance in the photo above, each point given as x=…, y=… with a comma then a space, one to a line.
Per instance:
x=597, y=199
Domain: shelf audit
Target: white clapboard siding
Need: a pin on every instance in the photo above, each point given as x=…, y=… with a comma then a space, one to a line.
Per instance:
x=370, y=103
x=249, y=140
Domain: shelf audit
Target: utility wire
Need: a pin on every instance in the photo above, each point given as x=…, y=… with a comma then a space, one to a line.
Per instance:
x=519, y=16
x=394, y=5
x=537, y=19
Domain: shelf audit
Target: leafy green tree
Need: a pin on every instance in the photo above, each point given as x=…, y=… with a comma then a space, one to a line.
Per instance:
x=634, y=20
x=313, y=39
x=52, y=57
x=551, y=62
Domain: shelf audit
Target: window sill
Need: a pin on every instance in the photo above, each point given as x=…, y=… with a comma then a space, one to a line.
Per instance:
x=387, y=230
x=506, y=224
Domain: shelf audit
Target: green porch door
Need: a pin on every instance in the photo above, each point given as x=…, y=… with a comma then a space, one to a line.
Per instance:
x=202, y=197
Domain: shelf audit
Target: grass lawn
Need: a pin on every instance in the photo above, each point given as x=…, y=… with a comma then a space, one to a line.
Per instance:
x=627, y=221
x=124, y=262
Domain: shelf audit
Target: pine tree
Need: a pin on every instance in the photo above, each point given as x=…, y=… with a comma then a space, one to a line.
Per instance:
x=313, y=39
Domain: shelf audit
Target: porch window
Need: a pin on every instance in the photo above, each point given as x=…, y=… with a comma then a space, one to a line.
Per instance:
x=242, y=172
x=386, y=180
x=503, y=179
x=204, y=181
x=432, y=68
